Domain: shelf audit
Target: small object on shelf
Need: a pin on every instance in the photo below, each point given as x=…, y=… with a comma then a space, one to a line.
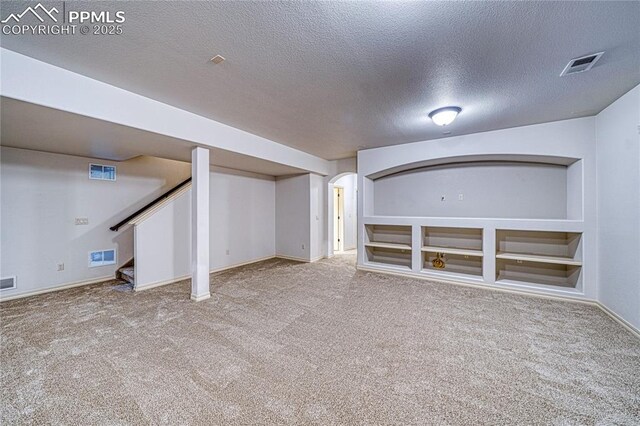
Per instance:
x=438, y=262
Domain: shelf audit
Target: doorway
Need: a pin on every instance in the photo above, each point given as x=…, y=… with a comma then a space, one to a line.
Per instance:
x=338, y=218
x=342, y=214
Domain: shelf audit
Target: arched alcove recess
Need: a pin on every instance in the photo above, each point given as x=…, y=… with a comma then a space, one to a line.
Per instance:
x=573, y=166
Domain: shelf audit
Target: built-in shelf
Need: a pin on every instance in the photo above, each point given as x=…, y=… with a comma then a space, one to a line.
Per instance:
x=390, y=266
x=455, y=264
x=539, y=257
x=449, y=250
x=389, y=246
x=461, y=248
x=452, y=238
x=549, y=260
x=452, y=275
x=545, y=274
x=552, y=244
x=559, y=260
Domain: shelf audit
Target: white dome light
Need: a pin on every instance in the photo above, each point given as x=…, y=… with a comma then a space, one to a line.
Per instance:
x=444, y=116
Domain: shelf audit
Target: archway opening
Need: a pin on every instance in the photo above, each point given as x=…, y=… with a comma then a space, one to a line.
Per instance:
x=343, y=214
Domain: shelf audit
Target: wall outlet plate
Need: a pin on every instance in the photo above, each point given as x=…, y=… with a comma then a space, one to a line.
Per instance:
x=82, y=220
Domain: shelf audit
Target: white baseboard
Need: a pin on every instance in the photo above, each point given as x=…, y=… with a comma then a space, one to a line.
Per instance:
x=138, y=287
x=57, y=288
x=185, y=277
x=201, y=297
x=300, y=259
x=478, y=284
x=237, y=265
x=574, y=299
x=626, y=324
x=111, y=277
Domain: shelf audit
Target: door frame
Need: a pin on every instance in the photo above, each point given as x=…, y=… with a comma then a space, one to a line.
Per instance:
x=338, y=218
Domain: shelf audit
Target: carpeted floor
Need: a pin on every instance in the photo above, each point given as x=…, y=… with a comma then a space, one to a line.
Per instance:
x=283, y=342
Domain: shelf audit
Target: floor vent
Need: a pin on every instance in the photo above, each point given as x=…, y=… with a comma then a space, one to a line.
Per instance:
x=581, y=64
x=7, y=283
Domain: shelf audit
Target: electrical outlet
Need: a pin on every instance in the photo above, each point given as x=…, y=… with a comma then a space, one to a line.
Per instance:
x=460, y=197
x=82, y=220
x=227, y=252
x=443, y=198
x=60, y=267
x=303, y=247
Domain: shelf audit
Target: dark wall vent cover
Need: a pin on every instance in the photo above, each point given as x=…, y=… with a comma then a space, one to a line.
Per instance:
x=581, y=64
x=7, y=283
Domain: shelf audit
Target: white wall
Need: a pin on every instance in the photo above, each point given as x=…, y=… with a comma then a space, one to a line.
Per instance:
x=618, y=175
x=488, y=189
x=163, y=243
x=243, y=214
x=349, y=183
x=301, y=212
x=42, y=194
x=242, y=224
x=293, y=217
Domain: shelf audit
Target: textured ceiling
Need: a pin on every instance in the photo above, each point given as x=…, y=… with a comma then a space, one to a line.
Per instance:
x=330, y=78
x=53, y=130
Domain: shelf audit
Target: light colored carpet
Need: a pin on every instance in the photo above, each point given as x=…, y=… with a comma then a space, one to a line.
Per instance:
x=283, y=342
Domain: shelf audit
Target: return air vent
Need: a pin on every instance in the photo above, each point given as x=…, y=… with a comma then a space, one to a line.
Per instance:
x=7, y=283
x=581, y=64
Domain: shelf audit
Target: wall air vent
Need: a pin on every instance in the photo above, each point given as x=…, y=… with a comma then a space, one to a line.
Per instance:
x=581, y=64
x=7, y=283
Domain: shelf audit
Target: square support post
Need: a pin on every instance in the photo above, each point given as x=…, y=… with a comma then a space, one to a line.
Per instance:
x=200, y=224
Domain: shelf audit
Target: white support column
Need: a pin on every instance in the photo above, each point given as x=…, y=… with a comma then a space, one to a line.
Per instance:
x=200, y=224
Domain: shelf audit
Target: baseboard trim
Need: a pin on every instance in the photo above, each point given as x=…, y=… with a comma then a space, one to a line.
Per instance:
x=481, y=285
x=160, y=283
x=573, y=299
x=237, y=265
x=57, y=288
x=300, y=259
x=201, y=297
x=626, y=324
x=185, y=277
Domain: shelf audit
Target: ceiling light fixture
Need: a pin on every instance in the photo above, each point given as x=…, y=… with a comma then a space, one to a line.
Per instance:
x=217, y=59
x=444, y=116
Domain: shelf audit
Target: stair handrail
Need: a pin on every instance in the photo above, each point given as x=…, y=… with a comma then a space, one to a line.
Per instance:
x=138, y=212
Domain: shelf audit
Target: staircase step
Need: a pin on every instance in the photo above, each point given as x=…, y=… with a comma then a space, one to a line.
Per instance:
x=128, y=274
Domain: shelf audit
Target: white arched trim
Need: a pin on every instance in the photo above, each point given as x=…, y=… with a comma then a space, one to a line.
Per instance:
x=528, y=158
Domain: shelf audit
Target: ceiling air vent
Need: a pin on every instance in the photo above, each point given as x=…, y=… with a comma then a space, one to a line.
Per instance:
x=581, y=64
